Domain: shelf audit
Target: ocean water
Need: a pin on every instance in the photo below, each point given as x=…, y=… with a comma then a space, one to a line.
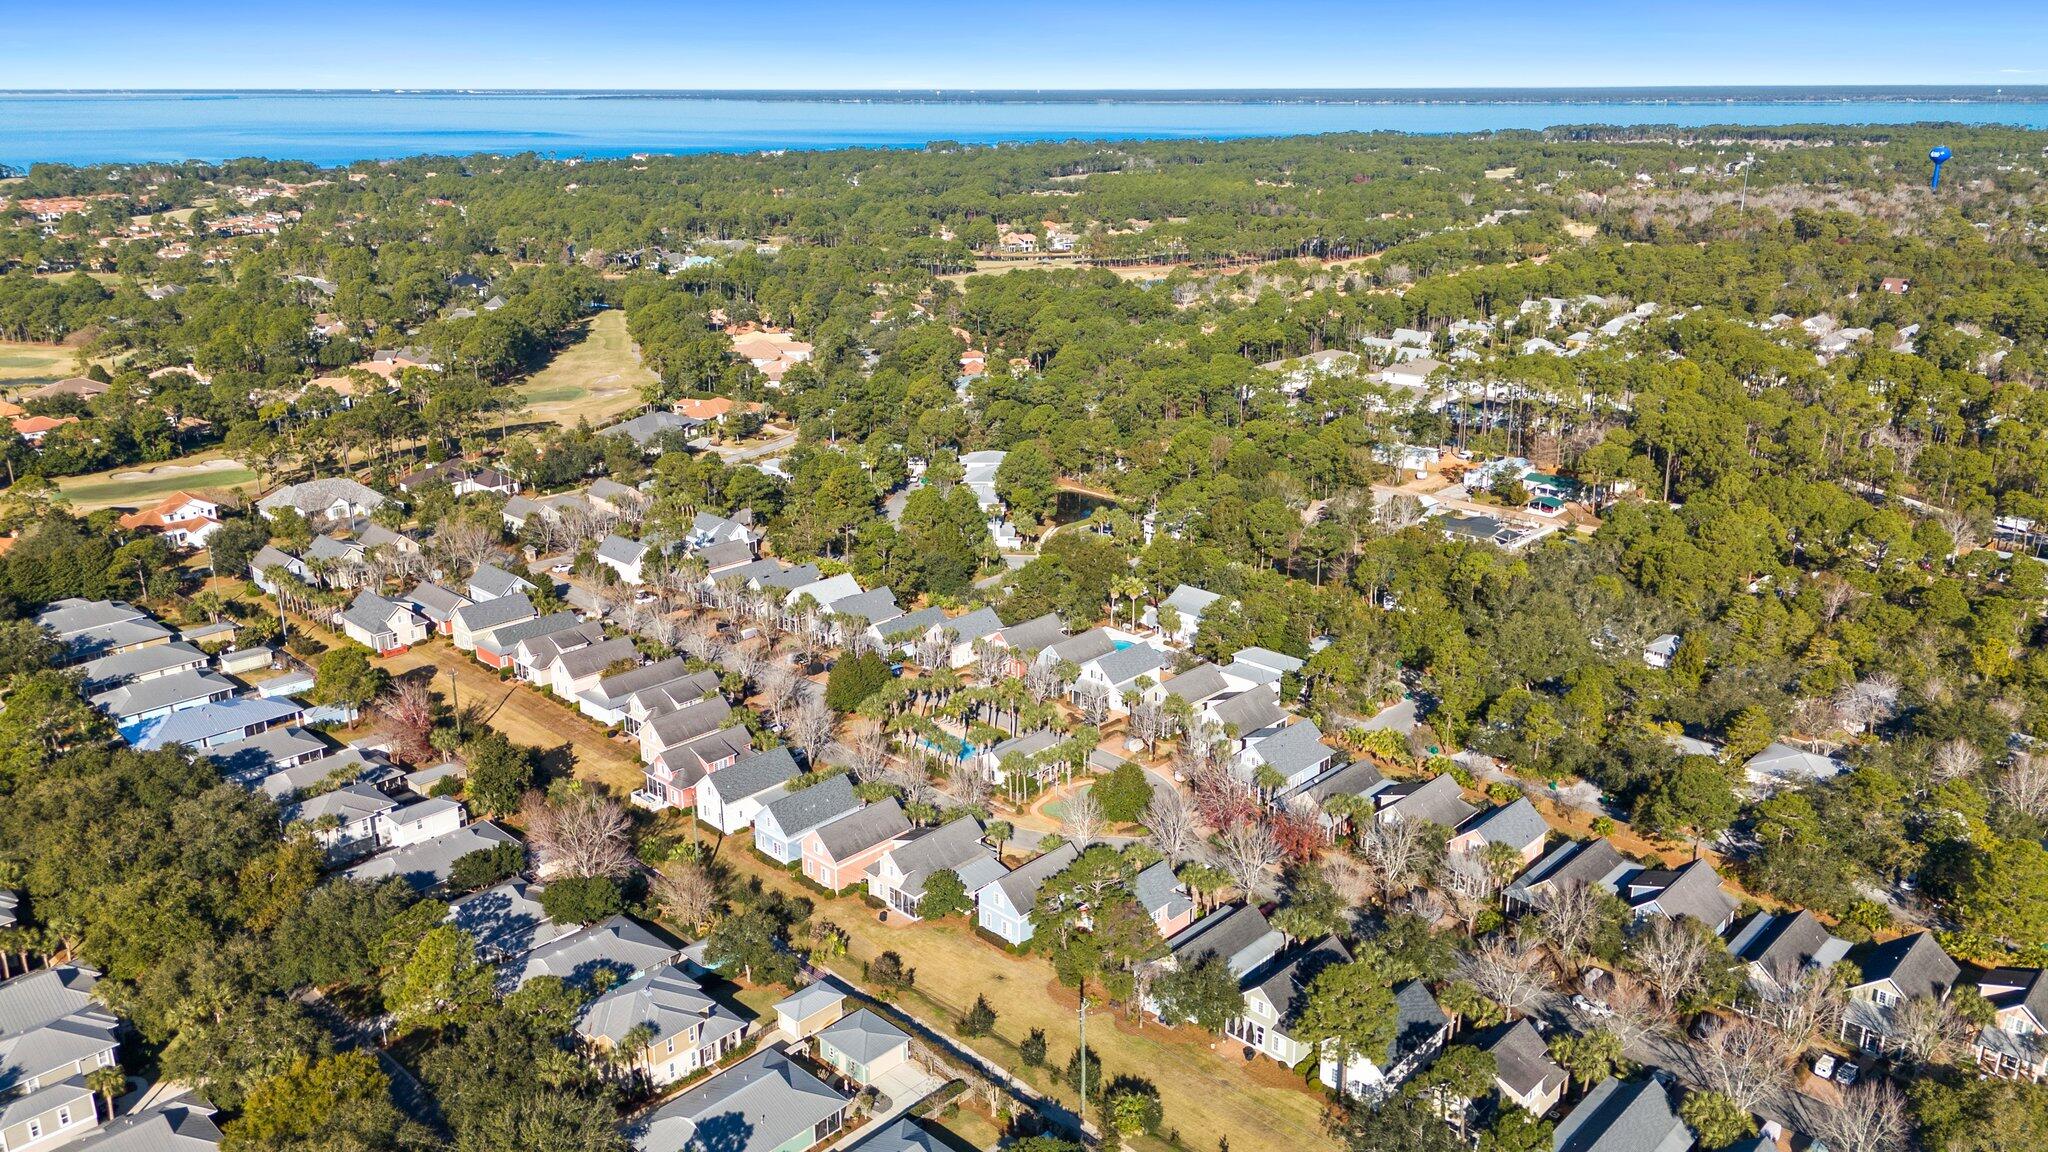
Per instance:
x=338, y=127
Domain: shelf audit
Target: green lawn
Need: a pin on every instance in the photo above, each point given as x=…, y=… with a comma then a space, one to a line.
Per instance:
x=597, y=379
x=34, y=363
x=1208, y=1091
x=140, y=485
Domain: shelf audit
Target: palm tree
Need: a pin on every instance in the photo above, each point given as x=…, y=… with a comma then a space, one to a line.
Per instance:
x=632, y=1048
x=110, y=1082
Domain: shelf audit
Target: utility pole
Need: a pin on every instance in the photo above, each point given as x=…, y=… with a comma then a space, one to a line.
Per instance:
x=455, y=700
x=1083, y=1055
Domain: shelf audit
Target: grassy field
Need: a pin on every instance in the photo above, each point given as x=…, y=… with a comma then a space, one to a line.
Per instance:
x=597, y=379
x=1209, y=1092
x=138, y=486
x=526, y=715
x=34, y=363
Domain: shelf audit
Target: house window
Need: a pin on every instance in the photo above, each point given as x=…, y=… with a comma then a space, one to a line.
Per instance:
x=1883, y=998
x=35, y=1129
x=64, y=1117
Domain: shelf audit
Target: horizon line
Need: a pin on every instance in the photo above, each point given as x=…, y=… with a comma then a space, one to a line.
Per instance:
x=1982, y=86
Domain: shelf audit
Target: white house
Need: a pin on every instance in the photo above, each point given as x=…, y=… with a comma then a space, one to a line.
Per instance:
x=1189, y=603
x=782, y=824
x=731, y=797
x=898, y=879
x=1004, y=906
x=384, y=626
x=333, y=498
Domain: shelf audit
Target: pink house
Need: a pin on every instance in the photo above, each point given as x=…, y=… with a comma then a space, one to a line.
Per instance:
x=837, y=855
x=1165, y=899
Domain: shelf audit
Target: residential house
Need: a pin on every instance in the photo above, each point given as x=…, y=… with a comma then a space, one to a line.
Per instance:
x=904, y=1134
x=609, y=495
x=863, y=1047
x=184, y=520
x=683, y=1028
x=1196, y=686
x=419, y=822
x=499, y=648
x=1004, y=906
x=965, y=632
x=729, y=799
x=1163, y=898
x=680, y=769
x=681, y=692
x=674, y=728
x=1420, y=1030
x=646, y=429
x=1783, y=766
x=801, y=1014
x=2013, y=1045
x=427, y=864
x=1523, y=1072
x=490, y=582
x=1693, y=890
x=1660, y=652
x=623, y=556
x=506, y=920
x=766, y=1103
x=215, y=724
x=1574, y=863
x=1188, y=604
x=898, y=877
x=607, y=700
x=1107, y=680
x=1906, y=968
x=384, y=626
x=175, y=1122
x=1625, y=1116
x=619, y=945
x=838, y=855
x=333, y=498
x=1028, y=747
x=55, y=1114
x=89, y=629
x=269, y=558
x=578, y=670
x=472, y=619
x=437, y=604
x=1438, y=800
x=1777, y=951
x=462, y=478
x=135, y=703
x=345, y=819
x=1239, y=936
x=141, y=664
x=1274, y=996
x=1280, y=761
x=251, y=762
x=51, y=1028
x=1518, y=825
x=782, y=824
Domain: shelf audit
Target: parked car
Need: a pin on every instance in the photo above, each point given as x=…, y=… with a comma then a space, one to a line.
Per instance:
x=1845, y=1072
x=645, y=597
x=1824, y=1066
x=1591, y=1007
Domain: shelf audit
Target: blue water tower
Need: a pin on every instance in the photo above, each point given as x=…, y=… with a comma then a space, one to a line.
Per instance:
x=1939, y=154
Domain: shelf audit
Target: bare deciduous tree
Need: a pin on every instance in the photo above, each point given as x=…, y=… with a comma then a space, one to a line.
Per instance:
x=1248, y=850
x=1397, y=851
x=1803, y=1004
x=408, y=712
x=2024, y=785
x=1509, y=973
x=1928, y=1029
x=463, y=544
x=582, y=833
x=1746, y=1062
x=1672, y=955
x=687, y=891
x=1569, y=919
x=1081, y=820
x=1046, y=679
x=1871, y=1117
x=1172, y=823
x=811, y=729
x=1955, y=759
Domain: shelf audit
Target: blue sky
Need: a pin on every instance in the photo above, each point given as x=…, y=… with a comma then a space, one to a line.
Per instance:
x=1063, y=44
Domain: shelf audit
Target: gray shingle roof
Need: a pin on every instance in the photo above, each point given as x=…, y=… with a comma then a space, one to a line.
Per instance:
x=507, y=919
x=315, y=496
x=690, y=721
x=1249, y=711
x=864, y=829
x=1521, y=1060
x=1284, y=980
x=435, y=602
x=618, y=944
x=1197, y=684
x=975, y=625
x=1035, y=634
x=1435, y=801
x=1240, y=935
x=871, y=606
x=581, y=662
x=208, y=721
x=955, y=846
x=507, y=637
x=1594, y=863
x=1131, y=663
x=142, y=662
x=1020, y=886
x=762, y=1103
x=805, y=810
x=1294, y=749
x=167, y=691
x=1625, y=1116
x=1517, y=825
x=664, y=999
x=426, y=864
x=1786, y=942
x=1694, y=890
x=493, y=582
x=1158, y=892
x=755, y=774
x=864, y=1036
x=1916, y=964
x=489, y=614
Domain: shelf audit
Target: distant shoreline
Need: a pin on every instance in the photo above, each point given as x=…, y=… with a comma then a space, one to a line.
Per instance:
x=1678, y=95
